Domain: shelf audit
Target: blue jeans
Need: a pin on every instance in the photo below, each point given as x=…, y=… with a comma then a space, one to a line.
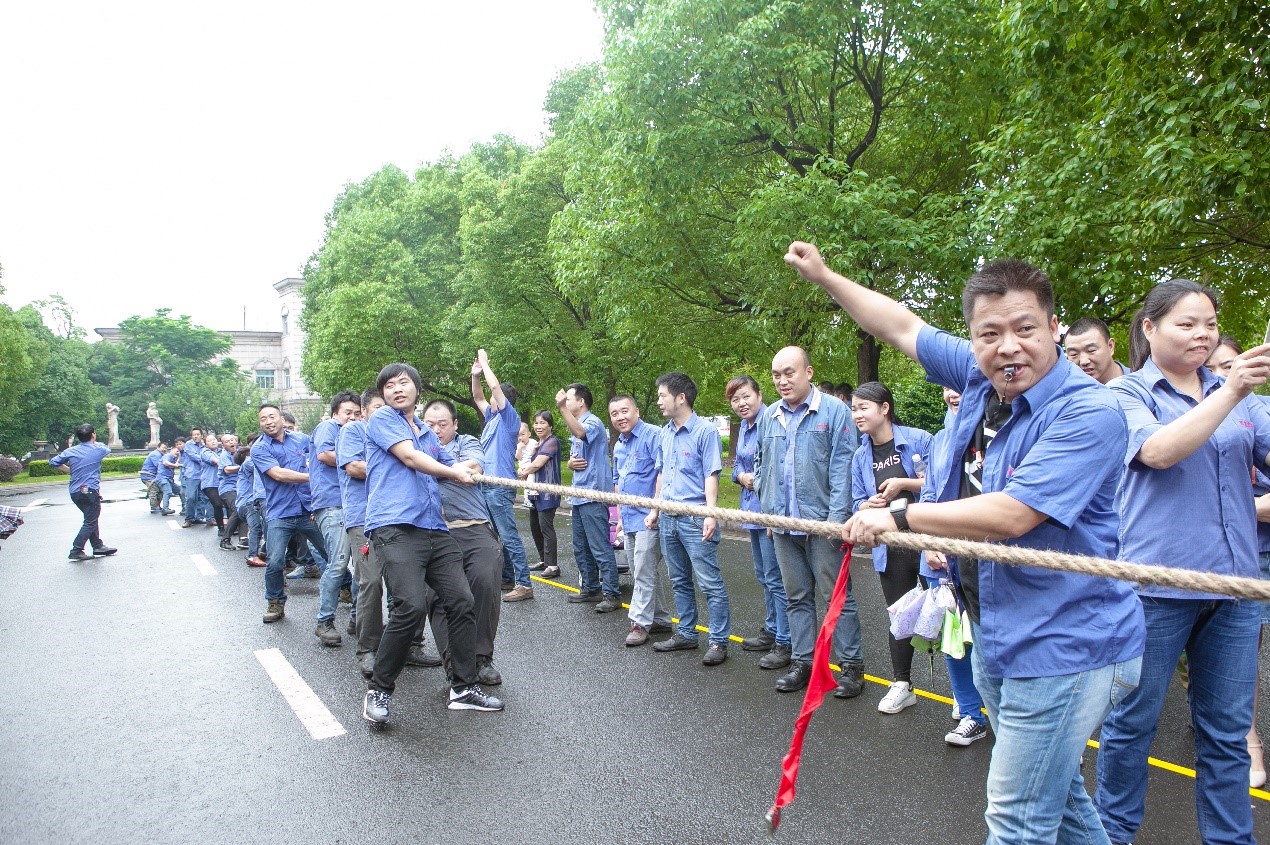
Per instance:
x=190, y=495
x=1036, y=792
x=809, y=564
x=768, y=573
x=251, y=511
x=592, y=550
x=687, y=555
x=278, y=534
x=1220, y=638
x=330, y=522
x=165, y=487
x=501, y=502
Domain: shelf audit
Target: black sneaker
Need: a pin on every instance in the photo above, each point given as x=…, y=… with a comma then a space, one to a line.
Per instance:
x=79, y=554
x=227, y=544
x=850, y=682
x=375, y=707
x=676, y=643
x=486, y=673
x=474, y=698
x=966, y=732
x=609, y=605
x=761, y=641
x=104, y=551
x=796, y=678
x=715, y=654
x=585, y=598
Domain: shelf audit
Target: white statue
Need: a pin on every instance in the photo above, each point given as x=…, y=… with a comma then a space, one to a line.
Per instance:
x=152, y=414
x=112, y=426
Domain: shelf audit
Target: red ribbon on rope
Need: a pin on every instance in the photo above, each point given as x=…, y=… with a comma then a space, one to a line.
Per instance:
x=822, y=681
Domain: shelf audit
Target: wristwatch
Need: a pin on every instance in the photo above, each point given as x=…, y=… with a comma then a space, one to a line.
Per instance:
x=899, y=513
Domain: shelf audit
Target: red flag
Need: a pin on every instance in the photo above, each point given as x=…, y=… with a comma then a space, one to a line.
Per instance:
x=821, y=683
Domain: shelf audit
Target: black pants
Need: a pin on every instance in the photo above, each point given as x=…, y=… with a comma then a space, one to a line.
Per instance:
x=542, y=524
x=902, y=566
x=413, y=560
x=483, y=567
x=218, y=507
x=230, y=502
x=89, y=502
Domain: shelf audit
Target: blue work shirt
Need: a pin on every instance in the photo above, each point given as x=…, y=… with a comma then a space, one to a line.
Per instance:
x=1261, y=487
x=351, y=447
x=595, y=450
x=397, y=494
x=168, y=464
x=1060, y=454
x=85, y=460
x=150, y=467
x=689, y=453
x=226, y=481
x=209, y=463
x=463, y=501
x=192, y=464
x=324, y=481
x=908, y=442
x=635, y=469
x=245, y=482
x=938, y=465
x=283, y=499
x=746, y=446
x=1198, y=514
x=498, y=441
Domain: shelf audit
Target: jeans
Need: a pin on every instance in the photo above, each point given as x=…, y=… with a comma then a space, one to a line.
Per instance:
x=190, y=496
x=501, y=502
x=1036, y=792
x=643, y=550
x=483, y=566
x=414, y=560
x=278, y=534
x=1220, y=639
x=165, y=487
x=89, y=503
x=688, y=555
x=330, y=522
x=250, y=511
x=768, y=573
x=592, y=549
x=809, y=564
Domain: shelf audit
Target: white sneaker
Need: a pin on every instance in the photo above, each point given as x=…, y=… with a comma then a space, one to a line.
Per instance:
x=966, y=732
x=956, y=712
x=900, y=696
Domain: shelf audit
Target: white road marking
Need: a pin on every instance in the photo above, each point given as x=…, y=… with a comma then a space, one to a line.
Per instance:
x=174, y=525
x=308, y=708
x=204, y=566
x=35, y=504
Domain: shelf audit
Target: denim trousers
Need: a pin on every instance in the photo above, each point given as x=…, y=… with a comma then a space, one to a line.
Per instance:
x=768, y=572
x=278, y=534
x=89, y=503
x=1036, y=792
x=192, y=498
x=415, y=560
x=592, y=550
x=810, y=565
x=687, y=555
x=330, y=521
x=643, y=550
x=501, y=502
x=1220, y=639
x=250, y=512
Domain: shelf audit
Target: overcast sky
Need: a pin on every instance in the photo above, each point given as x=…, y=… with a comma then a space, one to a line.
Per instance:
x=183, y=156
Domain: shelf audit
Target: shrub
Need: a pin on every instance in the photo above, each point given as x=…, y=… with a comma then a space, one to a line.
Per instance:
x=40, y=469
x=9, y=468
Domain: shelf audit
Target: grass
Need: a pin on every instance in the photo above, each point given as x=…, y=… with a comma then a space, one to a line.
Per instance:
x=729, y=493
x=25, y=478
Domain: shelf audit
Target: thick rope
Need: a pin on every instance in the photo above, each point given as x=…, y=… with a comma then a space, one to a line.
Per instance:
x=1139, y=573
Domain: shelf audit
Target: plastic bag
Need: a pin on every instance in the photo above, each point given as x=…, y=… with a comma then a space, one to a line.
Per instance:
x=904, y=613
x=953, y=643
x=930, y=620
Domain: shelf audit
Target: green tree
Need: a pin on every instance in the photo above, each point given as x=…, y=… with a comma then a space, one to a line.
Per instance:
x=20, y=361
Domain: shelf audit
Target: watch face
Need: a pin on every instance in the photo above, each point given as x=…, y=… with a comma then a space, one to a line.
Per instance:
x=898, y=505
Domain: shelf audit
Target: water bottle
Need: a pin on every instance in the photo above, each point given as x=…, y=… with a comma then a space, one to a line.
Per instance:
x=919, y=466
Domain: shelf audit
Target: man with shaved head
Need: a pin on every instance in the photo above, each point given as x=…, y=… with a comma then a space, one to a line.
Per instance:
x=802, y=468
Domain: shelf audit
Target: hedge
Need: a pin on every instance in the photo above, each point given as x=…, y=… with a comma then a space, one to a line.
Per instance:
x=41, y=469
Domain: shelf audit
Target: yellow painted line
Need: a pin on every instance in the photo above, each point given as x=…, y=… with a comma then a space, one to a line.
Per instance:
x=934, y=696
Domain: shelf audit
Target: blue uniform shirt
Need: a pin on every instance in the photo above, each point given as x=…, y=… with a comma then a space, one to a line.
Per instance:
x=245, y=482
x=908, y=442
x=192, y=464
x=352, y=447
x=635, y=467
x=498, y=441
x=688, y=454
x=1260, y=487
x=167, y=464
x=209, y=463
x=1199, y=513
x=397, y=494
x=1060, y=454
x=150, y=467
x=226, y=482
x=282, y=499
x=324, y=481
x=595, y=450
x=746, y=446
x=463, y=501
x=85, y=460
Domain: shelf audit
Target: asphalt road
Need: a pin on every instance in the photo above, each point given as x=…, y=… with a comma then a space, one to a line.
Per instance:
x=135, y=708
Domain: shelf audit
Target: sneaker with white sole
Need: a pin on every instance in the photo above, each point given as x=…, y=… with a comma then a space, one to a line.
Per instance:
x=474, y=698
x=897, y=698
x=966, y=732
x=375, y=707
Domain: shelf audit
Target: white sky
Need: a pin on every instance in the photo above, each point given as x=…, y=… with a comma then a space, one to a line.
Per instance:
x=160, y=154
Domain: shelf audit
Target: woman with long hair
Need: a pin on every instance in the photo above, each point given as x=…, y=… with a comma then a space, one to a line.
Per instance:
x=544, y=468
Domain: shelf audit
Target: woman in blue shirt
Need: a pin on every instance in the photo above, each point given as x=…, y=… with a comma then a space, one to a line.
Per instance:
x=746, y=398
x=1185, y=501
x=544, y=469
x=883, y=471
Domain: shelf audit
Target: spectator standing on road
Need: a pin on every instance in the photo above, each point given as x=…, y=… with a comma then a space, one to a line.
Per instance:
x=746, y=398
x=1054, y=651
x=526, y=445
x=635, y=455
x=688, y=468
x=589, y=460
x=802, y=468
x=544, y=468
x=1193, y=440
x=884, y=471
x=498, y=442
x=83, y=462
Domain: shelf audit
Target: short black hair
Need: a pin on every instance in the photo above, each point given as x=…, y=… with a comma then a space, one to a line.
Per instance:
x=371, y=393
x=242, y=455
x=582, y=392
x=677, y=383
x=84, y=431
x=997, y=278
x=342, y=397
x=509, y=393
x=444, y=403
x=1088, y=324
x=263, y=405
x=393, y=370
x=623, y=397
x=547, y=417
